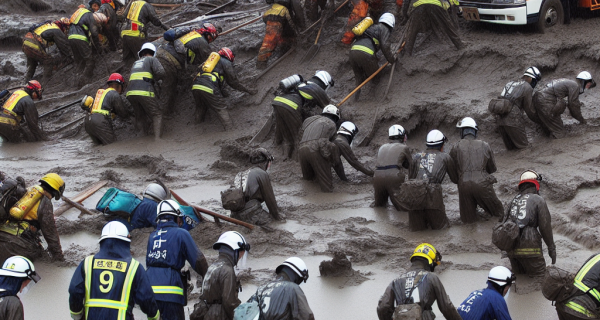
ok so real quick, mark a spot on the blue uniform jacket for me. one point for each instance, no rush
(107, 283)
(168, 248)
(144, 215)
(485, 304)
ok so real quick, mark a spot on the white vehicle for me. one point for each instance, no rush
(542, 13)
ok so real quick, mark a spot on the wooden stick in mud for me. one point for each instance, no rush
(240, 26)
(216, 215)
(183, 202)
(275, 63)
(316, 22)
(77, 205)
(81, 197)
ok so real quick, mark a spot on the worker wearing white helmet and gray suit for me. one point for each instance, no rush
(432, 166)
(549, 102)
(343, 140)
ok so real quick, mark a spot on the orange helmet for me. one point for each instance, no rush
(227, 53)
(36, 87)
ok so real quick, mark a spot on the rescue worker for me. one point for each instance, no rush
(37, 43)
(138, 15)
(103, 108)
(389, 175)
(432, 166)
(256, 186)
(141, 92)
(144, 215)
(363, 54)
(280, 30)
(360, 11)
(31, 214)
(196, 49)
(208, 89)
(549, 102)
(286, 300)
(489, 303)
(290, 106)
(169, 247)
(102, 25)
(83, 37)
(111, 30)
(343, 140)
(584, 304)
(418, 285)
(518, 94)
(316, 151)
(20, 108)
(429, 15)
(530, 212)
(474, 161)
(220, 286)
(108, 284)
(15, 277)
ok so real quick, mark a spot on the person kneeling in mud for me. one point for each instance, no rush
(256, 188)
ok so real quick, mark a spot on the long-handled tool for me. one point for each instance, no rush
(183, 202)
(81, 197)
(264, 131)
(77, 205)
(59, 108)
(240, 26)
(275, 63)
(220, 7)
(313, 50)
(214, 16)
(66, 125)
(220, 216)
(316, 22)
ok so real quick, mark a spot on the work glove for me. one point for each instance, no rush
(552, 254)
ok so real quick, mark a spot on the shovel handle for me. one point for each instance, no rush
(318, 35)
(316, 22)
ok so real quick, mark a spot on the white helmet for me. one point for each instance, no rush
(435, 137)
(297, 265)
(155, 192)
(533, 73)
(388, 19)
(396, 130)
(148, 46)
(501, 276)
(234, 240)
(115, 230)
(333, 110)
(531, 176)
(467, 122)
(19, 267)
(168, 207)
(585, 77)
(348, 128)
(325, 77)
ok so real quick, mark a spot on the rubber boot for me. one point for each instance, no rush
(157, 122)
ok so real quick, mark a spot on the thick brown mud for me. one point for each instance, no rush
(431, 90)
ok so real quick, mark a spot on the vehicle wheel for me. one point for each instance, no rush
(551, 14)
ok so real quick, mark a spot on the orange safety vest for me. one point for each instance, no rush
(10, 104)
(97, 106)
(78, 14)
(38, 32)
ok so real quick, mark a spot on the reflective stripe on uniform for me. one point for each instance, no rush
(527, 251)
(577, 307)
(140, 93)
(121, 305)
(133, 15)
(420, 2)
(581, 274)
(10, 104)
(362, 48)
(99, 100)
(167, 290)
(78, 14)
(45, 27)
(305, 95)
(9, 121)
(140, 76)
(189, 37)
(134, 10)
(213, 78)
(203, 88)
(31, 45)
(132, 33)
(287, 102)
(79, 37)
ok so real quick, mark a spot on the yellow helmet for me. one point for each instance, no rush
(55, 182)
(428, 252)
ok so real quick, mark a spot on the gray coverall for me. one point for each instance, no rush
(11, 308)
(141, 93)
(257, 188)
(389, 176)
(317, 152)
(286, 300)
(474, 161)
(512, 124)
(82, 49)
(341, 141)
(99, 126)
(549, 104)
(430, 290)
(431, 165)
(530, 212)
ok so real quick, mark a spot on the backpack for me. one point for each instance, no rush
(409, 310)
(412, 194)
(500, 106)
(247, 311)
(558, 285)
(233, 198)
(11, 191)
(37, 25)
(117, 202)
(505, 234)
(176, 33)
(190, 218)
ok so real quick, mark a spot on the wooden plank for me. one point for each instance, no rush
(79, 198)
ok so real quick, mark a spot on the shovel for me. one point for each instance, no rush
(313, 50)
